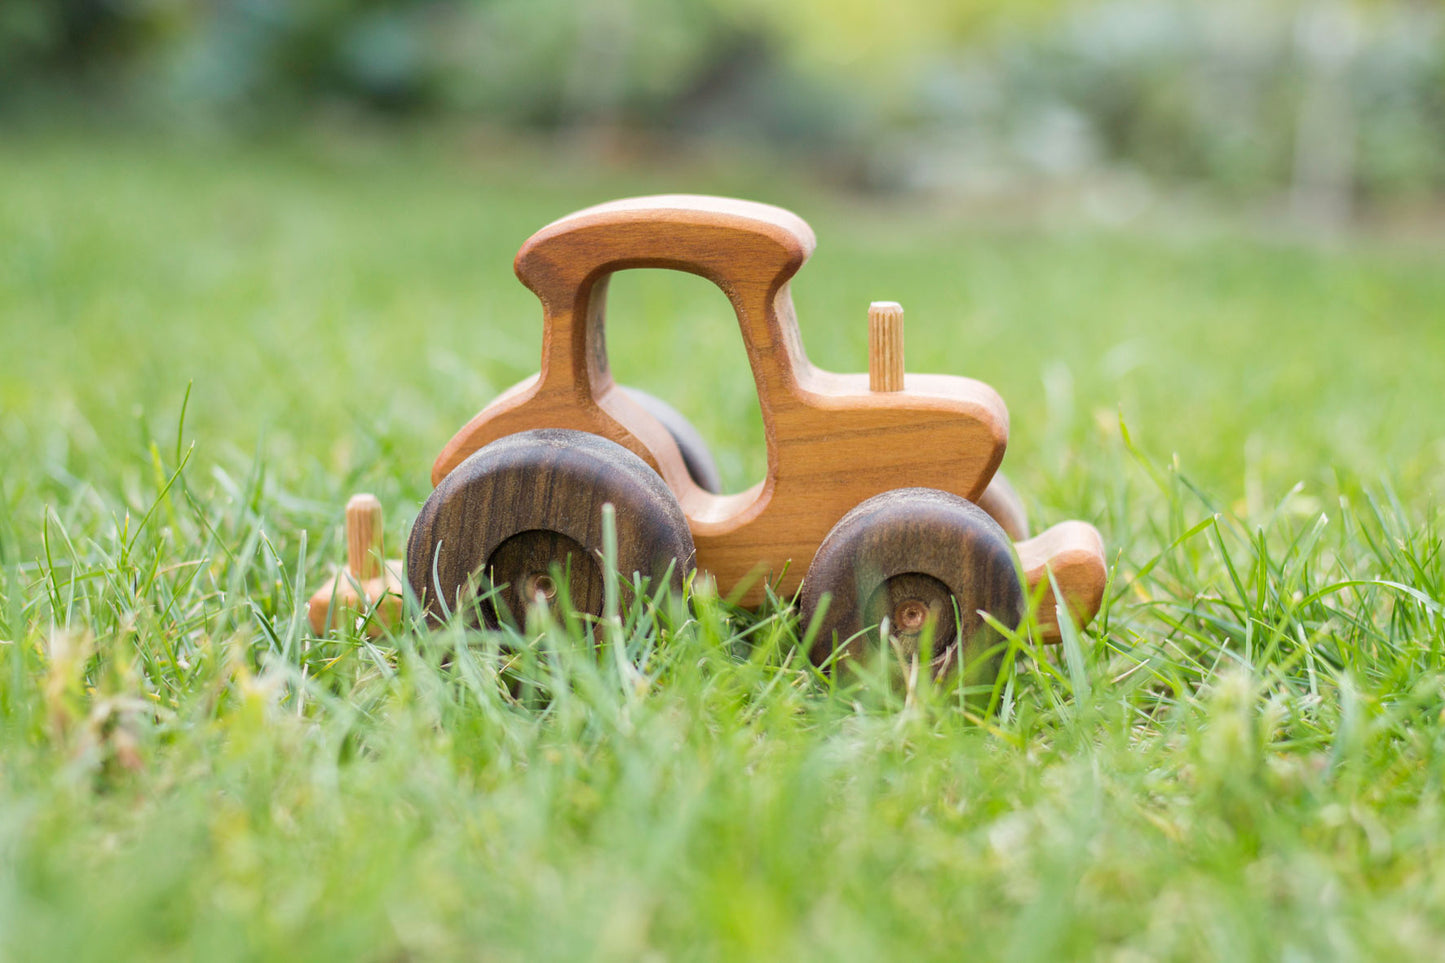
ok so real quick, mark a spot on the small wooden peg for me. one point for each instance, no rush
(885, 346)
(363, 536)
(367, 583)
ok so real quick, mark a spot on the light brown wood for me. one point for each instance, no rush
(832, 442)
(363, 536)
(1074, 551)
(366, 584)
(885, 346)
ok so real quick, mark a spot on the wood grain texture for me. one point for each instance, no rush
(885, 346)
(525, 514)
(911, 555)
(832, 442)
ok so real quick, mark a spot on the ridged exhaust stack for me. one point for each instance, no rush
(885, 346)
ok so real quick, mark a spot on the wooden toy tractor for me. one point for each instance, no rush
(881, 495)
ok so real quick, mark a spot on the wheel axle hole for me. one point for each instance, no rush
(540, 566)
(909, 603)
(910, 615)
(539, 586)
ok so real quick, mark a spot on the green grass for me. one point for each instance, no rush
(1243, 758)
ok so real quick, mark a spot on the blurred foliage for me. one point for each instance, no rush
(1325, 97)
(1238, 96)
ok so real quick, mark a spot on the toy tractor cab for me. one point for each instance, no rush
(881, 490)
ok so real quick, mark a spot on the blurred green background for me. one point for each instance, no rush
(1329, 107)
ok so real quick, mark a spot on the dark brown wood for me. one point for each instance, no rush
(546, 566)
(914, 556)
(526, 511)
(1003, 504)
(832, 442)
(909, 602)
(695, 453)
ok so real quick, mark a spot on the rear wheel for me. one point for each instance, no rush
(523, 515)
(695, 453)
(915, 557)
(1002, 503)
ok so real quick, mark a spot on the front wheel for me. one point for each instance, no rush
(915, 557)
(527, 509)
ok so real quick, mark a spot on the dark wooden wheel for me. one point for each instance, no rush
(526, 511)
(914, 556)
(695, 453)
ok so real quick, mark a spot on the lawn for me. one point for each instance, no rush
(208, 345)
